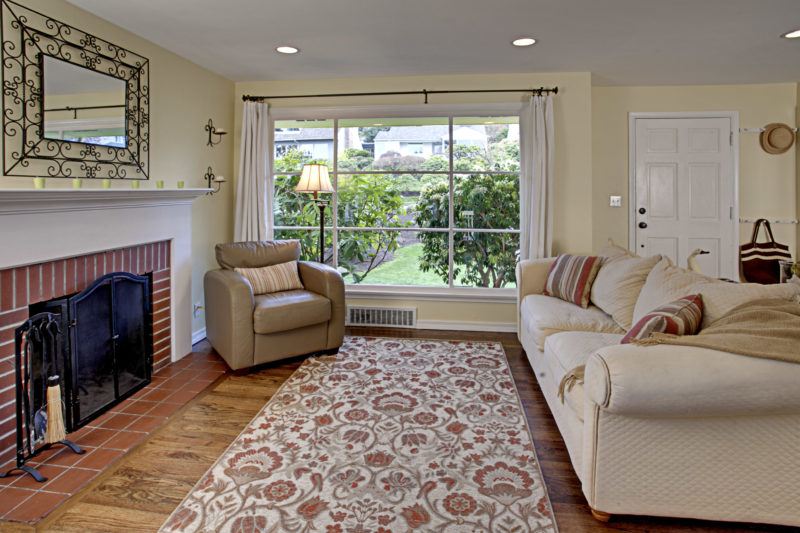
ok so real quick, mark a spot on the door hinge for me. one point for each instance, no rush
(730, 212)
(730, 138)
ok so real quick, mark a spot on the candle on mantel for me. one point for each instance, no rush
(219, 179)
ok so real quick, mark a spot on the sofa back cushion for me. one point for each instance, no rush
(618, 284)
(681, 317)
(571, 277)
(252, 254)
(667, 283)
(719, 298)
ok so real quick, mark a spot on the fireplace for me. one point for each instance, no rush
(65, 239)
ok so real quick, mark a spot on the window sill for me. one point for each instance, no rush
(436, 294)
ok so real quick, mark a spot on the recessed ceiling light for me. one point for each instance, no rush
(287, 50)
(792, 34)
(523, 41)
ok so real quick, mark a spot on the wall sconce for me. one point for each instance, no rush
(212, 130)
(211, 178)
(314, 178)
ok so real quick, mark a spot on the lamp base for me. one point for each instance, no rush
(322, 204)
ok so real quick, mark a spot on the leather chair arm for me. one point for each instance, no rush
(229, 316)
(328, 282)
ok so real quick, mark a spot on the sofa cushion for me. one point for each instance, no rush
(666, 283)
(282, 311)
(571, 277)
(613, 250)
(569, 349)
(546, 315)
(719, 298)
(272, 278)
(253, 254)
(618, 284)
(681, 317)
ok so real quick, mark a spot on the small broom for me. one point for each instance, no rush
(55, 418)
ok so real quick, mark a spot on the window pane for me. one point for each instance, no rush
(298, 142)
(394, 144)
(309, 243)
(485, 259)
(392, 257)
(486, 144)
(293, 208)
(389, 200)
(486, 201)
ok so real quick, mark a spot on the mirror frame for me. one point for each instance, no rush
(28, 36)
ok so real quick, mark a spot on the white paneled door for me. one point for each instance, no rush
(684, 191)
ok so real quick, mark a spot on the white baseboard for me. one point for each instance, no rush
(498, 327)
(198, 335)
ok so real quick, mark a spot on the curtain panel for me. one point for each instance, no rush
(536, 178)
(254, 189)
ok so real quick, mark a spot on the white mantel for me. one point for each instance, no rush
(38, 225)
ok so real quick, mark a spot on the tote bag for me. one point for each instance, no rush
(760, 261)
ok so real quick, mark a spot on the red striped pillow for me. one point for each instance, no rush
(273, 278)
(681, 317)
(571, 277)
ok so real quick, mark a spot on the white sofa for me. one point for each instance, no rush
(666, 430)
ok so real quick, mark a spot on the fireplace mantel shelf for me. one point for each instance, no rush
(27, 201)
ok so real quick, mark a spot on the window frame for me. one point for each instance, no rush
(408, 292)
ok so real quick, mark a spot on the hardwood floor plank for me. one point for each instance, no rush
(140, 491)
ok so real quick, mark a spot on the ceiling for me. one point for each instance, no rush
(621, 42)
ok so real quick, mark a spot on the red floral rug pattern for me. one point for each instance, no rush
(389, 435)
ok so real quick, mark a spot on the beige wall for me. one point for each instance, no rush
(767, 183)
(183, 97)
(572, 115)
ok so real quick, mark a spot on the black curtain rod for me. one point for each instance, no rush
(539, 91)
(79, 108)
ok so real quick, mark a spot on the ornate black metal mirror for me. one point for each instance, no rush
(74, 105)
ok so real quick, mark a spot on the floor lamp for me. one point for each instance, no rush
(314, 178)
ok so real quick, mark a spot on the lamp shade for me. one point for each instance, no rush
(314, 179)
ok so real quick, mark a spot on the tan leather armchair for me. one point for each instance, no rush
(247, 329)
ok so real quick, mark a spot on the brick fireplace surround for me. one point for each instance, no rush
(23, 286)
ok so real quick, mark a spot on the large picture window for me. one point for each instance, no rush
(426, 202)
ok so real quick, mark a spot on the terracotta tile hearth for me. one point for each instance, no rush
(105, 439)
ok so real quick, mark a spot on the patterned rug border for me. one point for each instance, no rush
(308, 361)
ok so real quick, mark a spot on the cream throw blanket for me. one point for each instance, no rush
(768, 328)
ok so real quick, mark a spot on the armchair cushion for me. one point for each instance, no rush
(283, 311)
(272, 278)
(252, 254)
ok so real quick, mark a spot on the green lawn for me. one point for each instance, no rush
(403, 270)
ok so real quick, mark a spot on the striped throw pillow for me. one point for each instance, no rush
(681, 317)
(273, 278)
(571, 277)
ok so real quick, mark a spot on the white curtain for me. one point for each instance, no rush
(536, 178)
(255, 183)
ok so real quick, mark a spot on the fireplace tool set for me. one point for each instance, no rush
(40, 407)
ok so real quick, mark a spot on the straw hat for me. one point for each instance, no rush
(776, 138)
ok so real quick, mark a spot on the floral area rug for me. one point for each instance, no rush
(389, 435)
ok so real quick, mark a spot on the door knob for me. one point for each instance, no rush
(642, 210)
(642, 225)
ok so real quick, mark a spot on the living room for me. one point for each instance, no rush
(591, 161)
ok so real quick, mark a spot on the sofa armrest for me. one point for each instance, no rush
(687, 381)
(531, 276)
(328, 282)
(229, 316)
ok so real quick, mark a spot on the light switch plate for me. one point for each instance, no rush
(615, 201)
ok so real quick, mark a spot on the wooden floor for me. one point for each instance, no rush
(139, 491)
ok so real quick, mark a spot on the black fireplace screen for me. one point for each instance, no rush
(109, 353)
